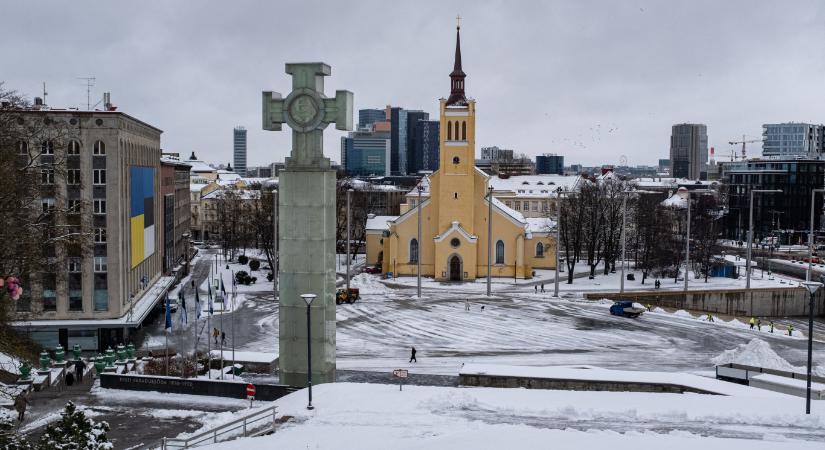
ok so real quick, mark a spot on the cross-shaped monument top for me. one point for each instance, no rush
(307, 111)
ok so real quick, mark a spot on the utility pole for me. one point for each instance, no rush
(624, 241)
(418, 249)
(489, 237)
(349, 196)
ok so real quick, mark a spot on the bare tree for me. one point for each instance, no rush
(592, 223)
(706, 230)
(571, 233)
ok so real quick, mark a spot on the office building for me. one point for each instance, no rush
(366, 153)
(793, 139)
(664, 166)
(368, 117)
(174, 189)
(550, 163)
(414, 119)
(240, 150)
(111, 191)
(424, 148)
(496, 154)
(689, 151)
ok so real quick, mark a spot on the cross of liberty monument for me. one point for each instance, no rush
(306, 220)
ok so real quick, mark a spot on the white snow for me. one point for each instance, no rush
(758, 353)
(375, 416)
(792, 382)
(9, 363)
(253, 357)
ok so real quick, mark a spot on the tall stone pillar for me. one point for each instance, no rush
(306, 222)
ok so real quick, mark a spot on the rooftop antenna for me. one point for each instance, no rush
(90, 81)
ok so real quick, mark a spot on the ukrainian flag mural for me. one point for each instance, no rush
(142, 212)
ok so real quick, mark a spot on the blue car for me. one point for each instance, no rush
(625, 308)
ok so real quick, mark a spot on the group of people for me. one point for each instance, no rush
(216, 334)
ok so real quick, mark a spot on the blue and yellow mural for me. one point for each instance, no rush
(142, 212)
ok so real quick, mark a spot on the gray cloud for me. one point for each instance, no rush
(548, 76)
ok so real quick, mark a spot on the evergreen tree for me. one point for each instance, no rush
(75, 431)
(9, 437)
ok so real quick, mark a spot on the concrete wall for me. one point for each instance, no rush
(192, 386)
(769, 302)
(572, 385)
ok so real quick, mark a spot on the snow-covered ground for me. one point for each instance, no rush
(226, 270)
(376, 416)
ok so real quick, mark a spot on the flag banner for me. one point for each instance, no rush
(168, 315)
(197, 305)
(211, 310)
(184, 319)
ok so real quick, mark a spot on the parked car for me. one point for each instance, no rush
(373, 269)
(626, 308)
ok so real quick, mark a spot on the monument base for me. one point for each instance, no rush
(306, 220)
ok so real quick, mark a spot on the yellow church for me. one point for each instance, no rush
(454, 212)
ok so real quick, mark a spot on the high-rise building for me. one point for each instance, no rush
(414, 119)
(240, 151)
(496, 154)
(664, 165)
(689, 151)
(366, 153)
(793, 139)
(111, 192)
(367, 117)
(398, 141)
(424, 150)
(550, 163)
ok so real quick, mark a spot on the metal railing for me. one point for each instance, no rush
(255, 424)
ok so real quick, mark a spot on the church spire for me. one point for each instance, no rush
(457, 76)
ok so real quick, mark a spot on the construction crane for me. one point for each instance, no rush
(743, 142)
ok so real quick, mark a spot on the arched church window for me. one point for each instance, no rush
(449, 131)
(499, 252)
(463, 131)
(414, 250)
(539, 250)
(455, 195)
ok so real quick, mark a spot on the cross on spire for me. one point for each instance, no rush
(458, 22)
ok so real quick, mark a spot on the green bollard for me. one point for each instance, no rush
(130, 351)
(45, 361)
(121, 353)
(76, 351)
(25, 370)
(59, 355)
(100, 363)
(110, 357)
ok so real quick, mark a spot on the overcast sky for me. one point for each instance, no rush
(591, 80)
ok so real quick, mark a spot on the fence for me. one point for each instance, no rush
(255, 424)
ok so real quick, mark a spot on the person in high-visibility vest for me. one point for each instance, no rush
(771, 325)
(752, 322)
(790, 330)
(710, 317)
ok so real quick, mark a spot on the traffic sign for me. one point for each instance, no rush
(250, 390)
(400, 373)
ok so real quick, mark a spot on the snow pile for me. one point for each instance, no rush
(683, 313)
(368, 284)
(658, 310)
(757, 353)
(9, 363)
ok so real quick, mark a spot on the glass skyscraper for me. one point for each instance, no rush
(239, 159)
(792, 139)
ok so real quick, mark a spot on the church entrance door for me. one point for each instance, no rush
(455, 268)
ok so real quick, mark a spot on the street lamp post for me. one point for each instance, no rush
(559, 192)
(812, 287)
(624, 240)
(418, 248)
(750, 232)
(308, 298)
(489, 237)
(349, 195)
(811, 236)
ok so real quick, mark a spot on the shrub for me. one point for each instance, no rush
(243, 259)
(270, 276)
(254, 279)
(254, 264)
(241, 277)
(75, 431)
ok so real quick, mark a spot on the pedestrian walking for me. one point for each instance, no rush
(223, 338)
(790, 330)
(215, 334)
(412, 355)
(542, 287)
(759, 324)
(536, 288)
(648, 307)
(20, 404)
(482, 308)
(752, 322)
(79, 367)
(771, 325)
(466, 304)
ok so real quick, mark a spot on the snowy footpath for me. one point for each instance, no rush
(376, 416)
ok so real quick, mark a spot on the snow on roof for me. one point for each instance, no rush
(510, 212)
(540, 224)
(379, 222)
(675, 201)
(534, 185)
(197, 187)
(199, 166)
(228, 175)
(243, 194)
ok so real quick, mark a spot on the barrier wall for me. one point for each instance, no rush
(192, 386)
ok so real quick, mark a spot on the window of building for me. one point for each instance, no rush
(455, 242)
(99, 176)
(508, 203)
(99, 148)
(455, 195)
(74, 264)
(47, 176)
(535, 206)
(449, 131)
(74, 207)
(101, 295)
(456, 160)
(22, 148)
(539, 250)
(499, 252)
(99, 206)
(100, 264)
(75, 292)
(517, 206)
(463, 131)
(74, 148)
(100, 235)
(73, 176)
(47, 204)
(49, 292)
(47, 147)
(414, 250)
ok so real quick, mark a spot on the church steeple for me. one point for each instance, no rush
(457, 97)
